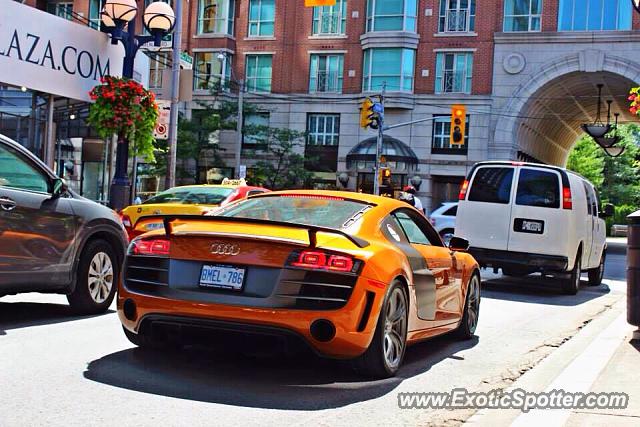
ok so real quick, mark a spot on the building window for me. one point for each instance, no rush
(255, 130)
(262, 16)
(440, 141)
(330, 20)
(258, 73)
(326, 73)
(157, 64)
(392, 15)
(216, 16)
(594, 15)
(323, 129)
(522, 15)
(95, 7)
(61, 9)
(211, 70)
(393, 66)
(457, 16)
(453, 72)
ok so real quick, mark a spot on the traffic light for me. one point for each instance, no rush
(368, 114)
(458, 123)
(385, 177)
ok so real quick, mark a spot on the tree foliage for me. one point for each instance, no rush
(616, 178)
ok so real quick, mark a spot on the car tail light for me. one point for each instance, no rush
(155, 247)
(567, 202)
(126, 221)
(463, 190)
(320, 260)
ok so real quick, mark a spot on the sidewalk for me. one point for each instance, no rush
(601, 358)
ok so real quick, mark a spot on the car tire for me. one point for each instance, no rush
(96, 280)
(467, 328)
(596, 275)
(384, 356)
(571, 285)
(446, 235)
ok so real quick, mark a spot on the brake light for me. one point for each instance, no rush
(156, 247)
(318, 260)
(567, 202)
(126, 221)
(463, 190)
(517, 163)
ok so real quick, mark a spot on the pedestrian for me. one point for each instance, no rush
(410, 190)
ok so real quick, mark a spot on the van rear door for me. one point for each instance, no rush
(484, 216)
(537, 216)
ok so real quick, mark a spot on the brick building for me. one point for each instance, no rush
(525, 69)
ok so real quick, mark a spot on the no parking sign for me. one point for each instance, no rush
(161, 130)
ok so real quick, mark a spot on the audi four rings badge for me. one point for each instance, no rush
(218, 248)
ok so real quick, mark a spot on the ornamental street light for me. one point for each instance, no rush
(159, 21)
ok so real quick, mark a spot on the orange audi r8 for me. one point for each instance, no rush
(355, 276)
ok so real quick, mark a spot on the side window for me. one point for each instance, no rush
(412, 230)
(254, 192)
(17, 172)
(538, 188)
(393, 231)
(589, 196)
(453, 211)
(492, 185)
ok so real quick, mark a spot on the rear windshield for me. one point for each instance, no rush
(192, 195)
(453, 211)
(492, 185)
(307, 210)
(538, 188)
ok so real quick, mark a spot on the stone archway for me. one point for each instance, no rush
(542, 118)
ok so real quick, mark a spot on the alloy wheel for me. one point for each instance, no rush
(395, 328)
(473, 304)
(100, 278)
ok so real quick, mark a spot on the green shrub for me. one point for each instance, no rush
(620, 216)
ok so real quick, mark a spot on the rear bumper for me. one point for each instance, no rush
(534, 262)
(354, 323)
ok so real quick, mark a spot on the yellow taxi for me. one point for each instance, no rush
(183, 200)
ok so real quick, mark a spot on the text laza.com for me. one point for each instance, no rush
(523, 400)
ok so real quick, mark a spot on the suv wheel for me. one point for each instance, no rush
(596, 275)
(571, 285)
(96, 279)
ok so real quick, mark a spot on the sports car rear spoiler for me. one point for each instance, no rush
(312, 229)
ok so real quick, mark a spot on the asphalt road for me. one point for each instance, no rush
(57, 369)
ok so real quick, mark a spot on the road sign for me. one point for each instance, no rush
(186, 61)
(161, 130)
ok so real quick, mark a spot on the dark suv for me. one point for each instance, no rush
(53, 240)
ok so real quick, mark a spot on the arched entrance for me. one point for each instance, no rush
(398, 156)
(541, 122)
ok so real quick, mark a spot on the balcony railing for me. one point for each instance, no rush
(453, 81)
(457, 21)
(330, 23)
(327, 81)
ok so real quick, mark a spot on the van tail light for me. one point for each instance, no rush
(567, 202)
(463, 190)
(320, 260)
(154, 247)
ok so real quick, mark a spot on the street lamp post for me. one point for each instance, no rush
(159, 20)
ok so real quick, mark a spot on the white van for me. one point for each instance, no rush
(526, 218)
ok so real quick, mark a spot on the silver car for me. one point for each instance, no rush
(53, 240)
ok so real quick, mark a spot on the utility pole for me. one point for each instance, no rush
(376, 172)
(239, 126)
(170, 179)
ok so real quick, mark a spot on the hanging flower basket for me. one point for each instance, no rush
(634, 95)
(125, 108)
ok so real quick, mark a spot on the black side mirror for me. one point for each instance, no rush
(607, 211)
(58, 186)
(459, 244)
